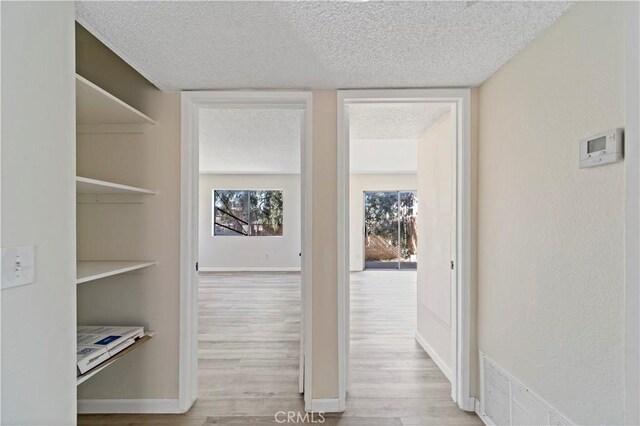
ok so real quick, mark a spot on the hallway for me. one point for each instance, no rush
(390, 374)
(249, 333)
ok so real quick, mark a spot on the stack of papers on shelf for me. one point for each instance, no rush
(98, 343)
(90, 356)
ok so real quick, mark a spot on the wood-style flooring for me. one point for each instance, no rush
(249, 332)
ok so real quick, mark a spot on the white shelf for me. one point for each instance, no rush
(98, 111)
(89, 271)
(95, 370)
(93, 186)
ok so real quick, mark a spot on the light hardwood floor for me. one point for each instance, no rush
(390, 374)
(249, 347)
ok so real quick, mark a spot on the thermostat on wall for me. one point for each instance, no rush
(601, 149)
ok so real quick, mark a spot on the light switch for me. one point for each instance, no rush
(18, 266)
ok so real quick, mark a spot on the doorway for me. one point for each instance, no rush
(390, 229)
(239, 212)
(459, 256)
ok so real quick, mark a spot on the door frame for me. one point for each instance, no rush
(461, 97)
(192, 102)
(632, 217)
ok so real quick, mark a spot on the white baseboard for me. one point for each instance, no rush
(249, 269)
(129, 406)
(329, 405)
(435, 357)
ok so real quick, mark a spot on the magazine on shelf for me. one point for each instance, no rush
(113, 339)
(90, 356)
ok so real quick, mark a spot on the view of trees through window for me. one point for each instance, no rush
(247, 213)
(390, 219)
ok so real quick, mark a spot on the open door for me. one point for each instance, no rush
(437, 240)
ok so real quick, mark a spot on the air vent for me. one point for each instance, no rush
(496, 396)
(506, 401)
(554, 421)
(525, 409)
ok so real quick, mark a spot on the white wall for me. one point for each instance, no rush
(251, 253)
(435, 224)
(358, 183)
(550, 235)
(38, 204)
(378, 156)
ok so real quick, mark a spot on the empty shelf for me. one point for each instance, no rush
(94, 186)
(98, 368)
(95, 105)
(89, 271)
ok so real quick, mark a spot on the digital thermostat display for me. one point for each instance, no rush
(600, 149)
(597, 144)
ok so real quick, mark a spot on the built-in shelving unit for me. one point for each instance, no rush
(98, 368)
(90, 271)
(93, 186)
(98, 111)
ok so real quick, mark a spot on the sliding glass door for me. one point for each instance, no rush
(408, 229)
(390, 231)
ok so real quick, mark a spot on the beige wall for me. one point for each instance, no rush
(436, 220)
(132, 231)
(325, 243)
(358, 183)
(550, 235)
(251, 253)
(38, 202)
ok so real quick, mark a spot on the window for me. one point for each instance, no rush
(247, 213)
(390, 229)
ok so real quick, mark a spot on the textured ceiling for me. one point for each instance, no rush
(250, 141)
(394, 121)
(383, 138)
(266, 44)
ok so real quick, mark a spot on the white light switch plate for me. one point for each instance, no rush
(18, 266)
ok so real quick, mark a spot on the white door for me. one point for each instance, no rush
(436, 243)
